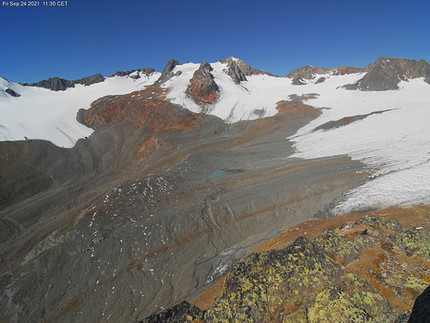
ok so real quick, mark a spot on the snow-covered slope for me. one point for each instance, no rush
(44, 114)
(395, 142)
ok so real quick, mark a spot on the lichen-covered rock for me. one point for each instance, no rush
(381, 221)
(351, 300)
(366, 270)
(413, 242)
(299, 283)
(337, 247)
(269, 286)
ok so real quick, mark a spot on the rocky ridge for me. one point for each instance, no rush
(386, 73)
(135, 74)
(301, 75)
(60, 84)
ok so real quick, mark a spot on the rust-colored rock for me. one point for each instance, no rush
(141, 108)
(203, 88)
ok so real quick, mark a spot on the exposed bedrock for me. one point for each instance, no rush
(308, 72)
(203, 88)
(136, 218)
(168, 71)
(238, 70)
(386, 73)
(60, 84)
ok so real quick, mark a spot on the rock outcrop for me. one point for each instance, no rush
(60, 84)
(308, 72)
(367, 269)
(135, 73)
(167, 73)
(203, 88)
(11, 93)
(238, 70)
(386, 74)
(142, 108)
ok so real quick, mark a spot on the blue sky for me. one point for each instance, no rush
(104, 36)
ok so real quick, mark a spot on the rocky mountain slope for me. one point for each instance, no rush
(386, 74)
(155, 184)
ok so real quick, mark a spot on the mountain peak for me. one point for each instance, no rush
(239, 70)
(386, 73)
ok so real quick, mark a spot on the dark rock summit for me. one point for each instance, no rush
(386, 73)
(238, 70)
(203, 88)
(60, 84)
(167, 73)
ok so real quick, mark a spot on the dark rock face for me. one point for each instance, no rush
(203, 88)
(184, 311)
(147, 71)
(238, 70)
(386, 73)
(12, 92)
(60, 84)
(96, 78)
(168, 71)
(54, 84)
(421, 310)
